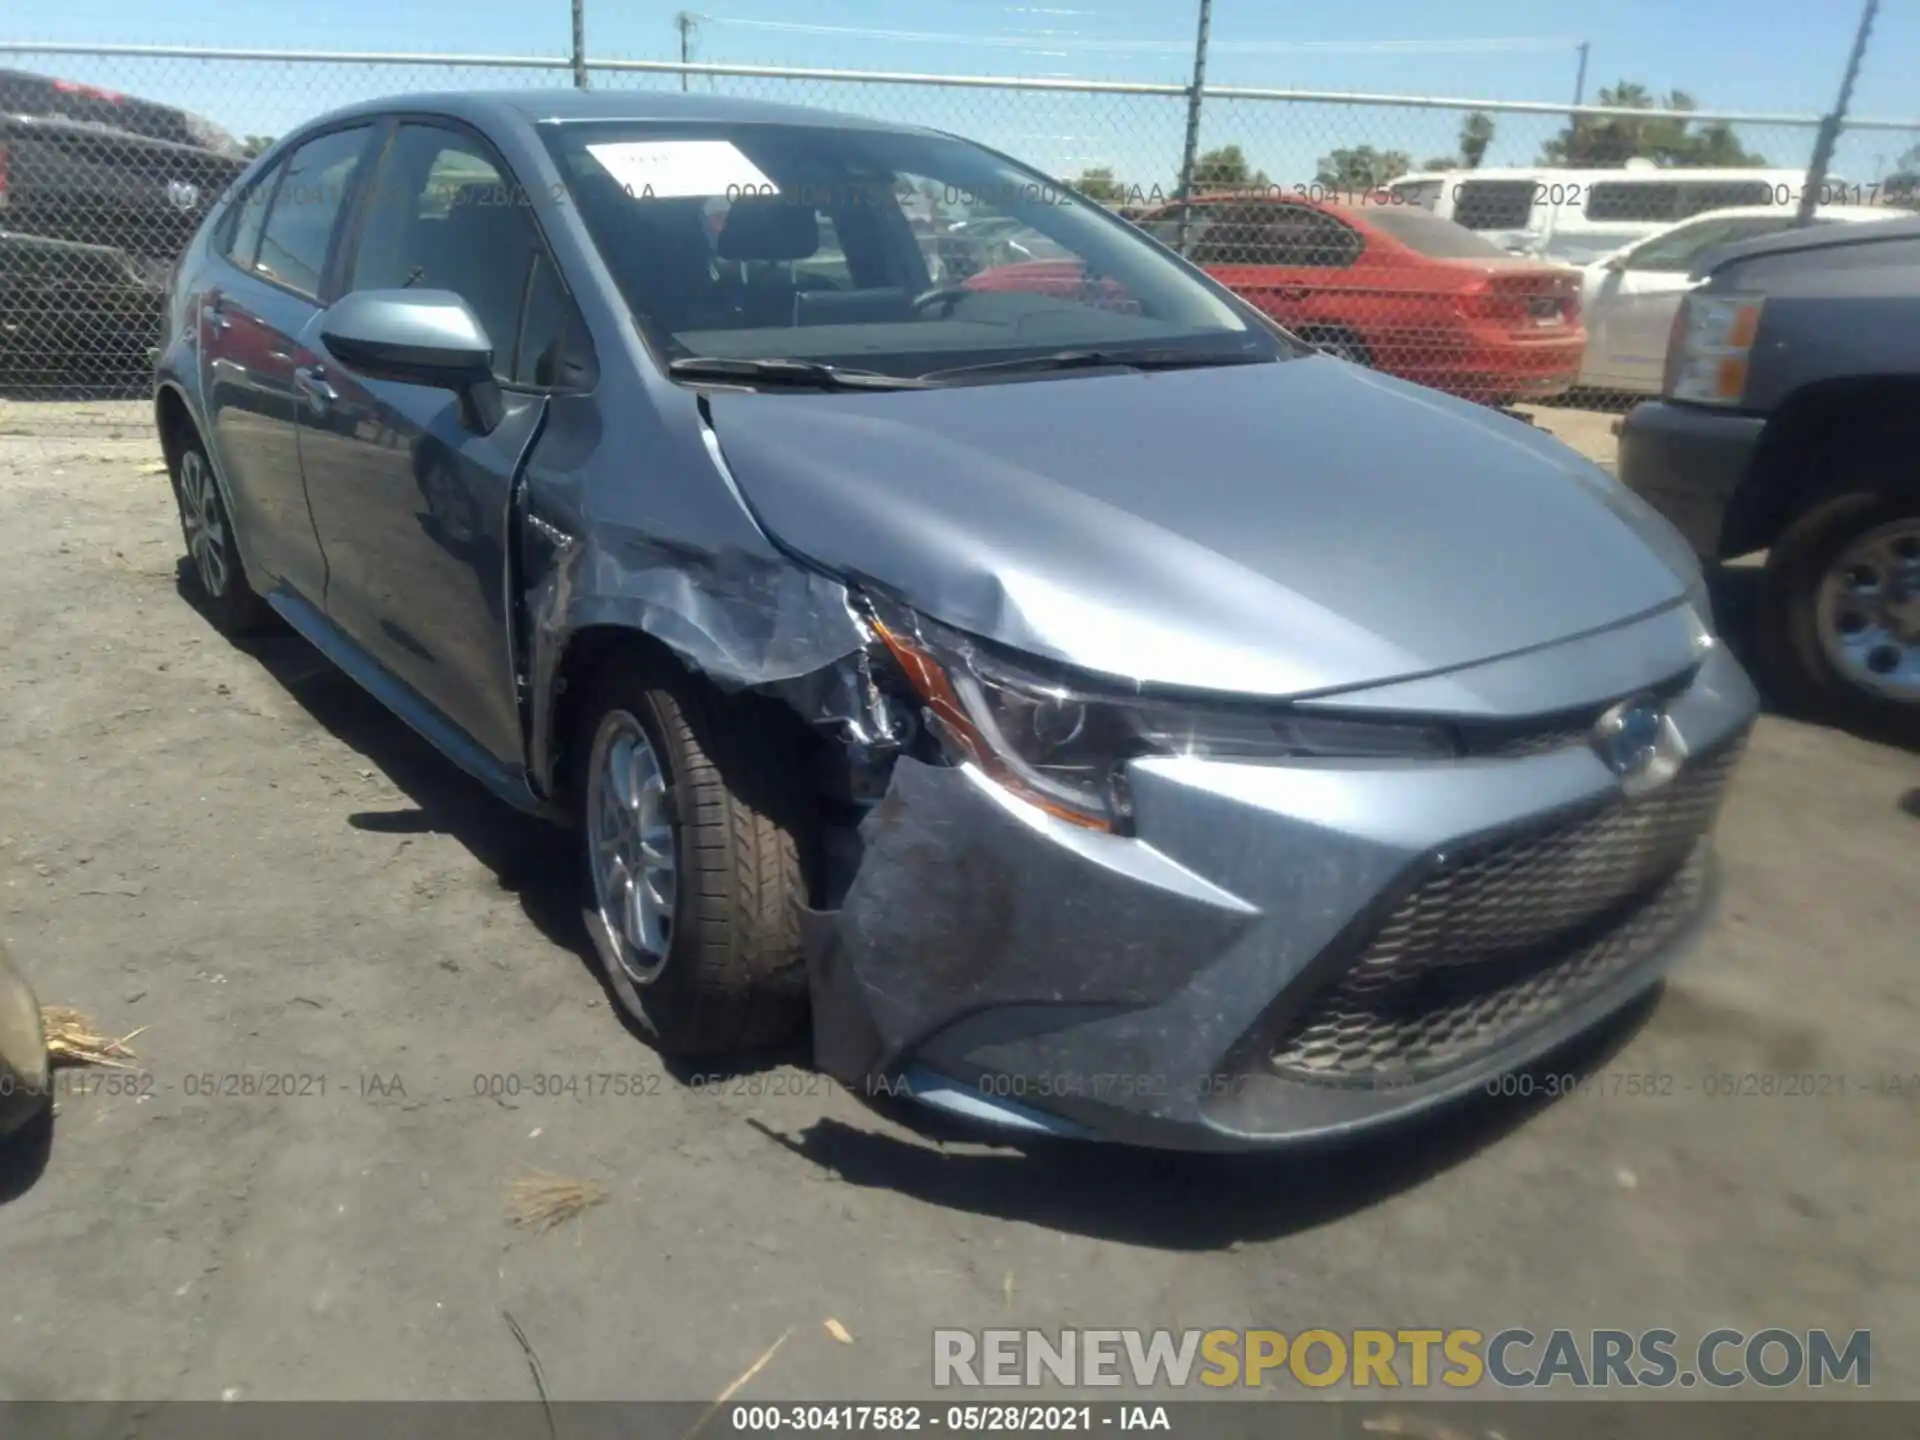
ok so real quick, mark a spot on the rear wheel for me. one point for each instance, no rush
(1840, 611)
(693, 819)
(211, 549)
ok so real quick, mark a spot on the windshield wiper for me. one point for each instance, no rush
(812, 374)
(1098, 360)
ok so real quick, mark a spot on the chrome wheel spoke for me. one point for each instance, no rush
(1867, 611)
(631, 846)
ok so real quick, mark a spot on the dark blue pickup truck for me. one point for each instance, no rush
(1789, 421)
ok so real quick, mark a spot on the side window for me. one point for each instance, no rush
(242, 228)
(300, 219)
(1228, 235)
(551, 332)
(1678, 251)
(444, 216)
(1314, 240)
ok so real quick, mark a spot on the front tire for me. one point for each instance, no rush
(1840, 612)
(213, 554)
(693, 820)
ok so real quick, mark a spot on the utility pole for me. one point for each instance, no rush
(685, 22)
(579, 44)
(1191, 151)
(1580, 75)
(1830, 127)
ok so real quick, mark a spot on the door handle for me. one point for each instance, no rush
(1291, 292)
(312, 382)
(214, 316)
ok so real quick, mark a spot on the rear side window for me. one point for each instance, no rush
(242, 228)
(444, 214)
(1644, 200)
(1268, 233)
(305, 205)
(1494, 204)
(1430, 235)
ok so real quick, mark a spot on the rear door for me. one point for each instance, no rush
(411, 503)
(263, 294)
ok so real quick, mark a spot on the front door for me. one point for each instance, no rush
(411, 503)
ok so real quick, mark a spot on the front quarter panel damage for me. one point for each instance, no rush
(662, 547)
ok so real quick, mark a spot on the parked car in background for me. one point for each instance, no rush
(1578, 216)
(1789, 421)
(1065, 700)
(99, 193)
(1628, 298)
(1393, 287)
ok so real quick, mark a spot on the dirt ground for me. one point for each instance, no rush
(336, 951)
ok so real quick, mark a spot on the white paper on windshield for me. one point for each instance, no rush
(665, 169)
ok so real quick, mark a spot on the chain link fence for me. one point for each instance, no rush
(1429, 238)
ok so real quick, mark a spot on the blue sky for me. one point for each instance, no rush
(1753, 55)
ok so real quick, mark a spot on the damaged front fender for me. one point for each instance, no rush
(660, 554)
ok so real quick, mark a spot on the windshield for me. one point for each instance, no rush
(894, 252)
(1430, 235)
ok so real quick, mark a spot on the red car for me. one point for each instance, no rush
(1395, 287)
(1390, 286)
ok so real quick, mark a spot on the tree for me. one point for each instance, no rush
(1360, 167)
(1226, 169)
(1098, 184)
(1476, 134)
(1604, 141)
(256, 145)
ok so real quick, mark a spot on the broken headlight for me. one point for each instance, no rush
(1063, 745)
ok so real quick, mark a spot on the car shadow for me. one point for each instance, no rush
(529, 858)
(24, 1155)
(535, 862)
(1178, 1200)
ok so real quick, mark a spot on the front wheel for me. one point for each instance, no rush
(1840, 611)
(693, 818)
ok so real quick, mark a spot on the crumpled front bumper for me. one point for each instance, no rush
(1002, 964)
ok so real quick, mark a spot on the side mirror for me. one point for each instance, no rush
(1615, 263)
(417, 337)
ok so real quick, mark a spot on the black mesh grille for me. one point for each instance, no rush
(1507, 934)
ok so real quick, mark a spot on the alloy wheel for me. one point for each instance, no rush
(205, 524)
(630, 839)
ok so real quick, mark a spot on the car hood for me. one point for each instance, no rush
(1276, 530)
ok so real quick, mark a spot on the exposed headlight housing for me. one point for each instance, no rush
(1710, 346)
(1064, 745)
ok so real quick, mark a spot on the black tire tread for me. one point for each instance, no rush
(736, 980)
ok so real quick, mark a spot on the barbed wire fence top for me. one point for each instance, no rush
(1291, 191)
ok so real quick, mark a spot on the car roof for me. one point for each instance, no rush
(1831, 212)
(572, 106)
(1820, 237)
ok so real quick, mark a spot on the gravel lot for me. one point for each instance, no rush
(243, 857)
